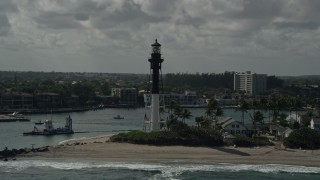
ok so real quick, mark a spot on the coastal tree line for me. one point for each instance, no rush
(88, 86)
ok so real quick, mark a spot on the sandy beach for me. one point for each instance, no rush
(101, 149)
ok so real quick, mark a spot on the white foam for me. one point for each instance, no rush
(70, 140)
(167, 170)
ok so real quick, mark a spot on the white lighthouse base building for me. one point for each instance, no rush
(155, 112)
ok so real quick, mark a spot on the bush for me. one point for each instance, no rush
(188, 137)
(304, 137)
(243, 141)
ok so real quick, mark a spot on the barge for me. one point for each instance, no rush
(50, 130)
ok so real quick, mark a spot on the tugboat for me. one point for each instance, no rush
(49, 130)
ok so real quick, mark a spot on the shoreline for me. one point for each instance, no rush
(101, 149)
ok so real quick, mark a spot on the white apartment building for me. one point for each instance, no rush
(251, 84)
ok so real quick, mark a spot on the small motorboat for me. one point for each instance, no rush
(39, 122)
(118, 117)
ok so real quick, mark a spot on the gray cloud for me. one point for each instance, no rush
(7, 6)
(4, 25)
(197, 36)
(297, 25)
(58, 20)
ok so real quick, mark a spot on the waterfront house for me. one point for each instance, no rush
(297, 116)
(231, 126)
(279, 131)
(315, 123)
(287, 132)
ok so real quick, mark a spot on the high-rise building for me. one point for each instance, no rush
(251, 84)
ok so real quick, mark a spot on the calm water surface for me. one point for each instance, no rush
(95, 123)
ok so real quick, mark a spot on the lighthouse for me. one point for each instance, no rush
(155, 68)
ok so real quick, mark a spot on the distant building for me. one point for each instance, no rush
(223, 101)
(48, 100)
(251, 84)
(127, 96)
(188, 99)
(16, 100)
(315, 123)
(71, 101)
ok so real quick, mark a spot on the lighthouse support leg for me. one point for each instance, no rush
(155, 116)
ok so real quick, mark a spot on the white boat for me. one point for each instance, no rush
(118, 117)
(16, 115)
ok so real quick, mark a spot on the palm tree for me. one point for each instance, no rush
(243, 107)
(297, 105)
(199, 120)
(256, 118)
(186, 114)
(211, 113)
(212, 106)
(219, 112)
(172, 106)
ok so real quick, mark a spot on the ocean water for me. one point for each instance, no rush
(114, 170)
(101, 122)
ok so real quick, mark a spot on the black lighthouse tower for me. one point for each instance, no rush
(155, 67)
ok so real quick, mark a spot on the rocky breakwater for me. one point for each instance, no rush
(10, 154)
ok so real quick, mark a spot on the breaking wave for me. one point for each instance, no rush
(165, 169)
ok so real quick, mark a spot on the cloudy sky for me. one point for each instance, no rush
(276, 37)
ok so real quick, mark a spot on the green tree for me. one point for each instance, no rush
(186, 114)
(198, 120)
(243, 108)
(256, 118)
(105, 89)
(219, 112)
(211, 109)
(304, 138)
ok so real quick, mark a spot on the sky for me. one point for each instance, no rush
(274, 37)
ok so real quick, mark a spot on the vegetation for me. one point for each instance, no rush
(87, 86)
(244, 141)
(303, 138)
(177, 132)
(188, 137)
(243, 107)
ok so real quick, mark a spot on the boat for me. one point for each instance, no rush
(16, 115)
(50, 130)
(39, 122)
(118, 117)
(13, 117)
